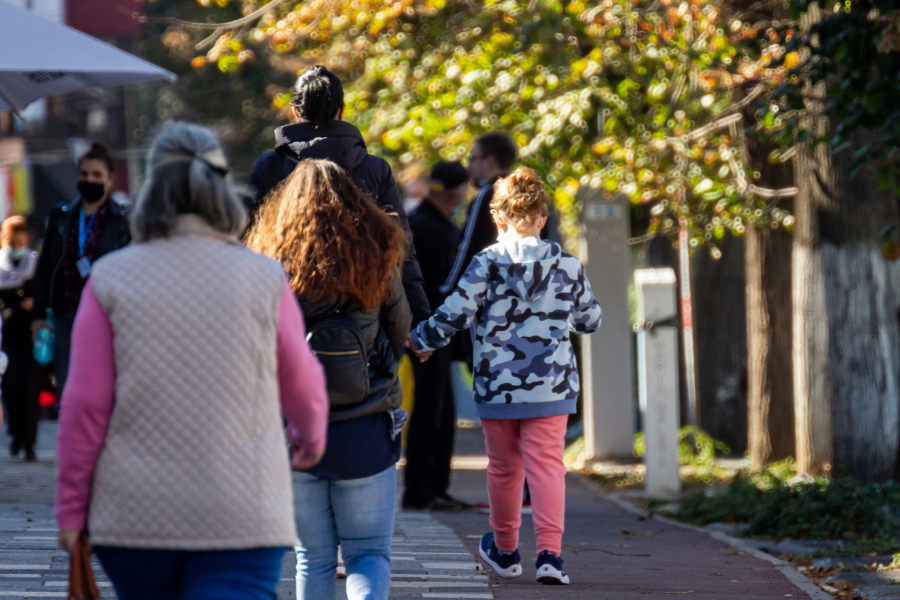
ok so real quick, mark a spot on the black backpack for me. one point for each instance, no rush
(337, 342)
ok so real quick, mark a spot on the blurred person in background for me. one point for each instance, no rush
(429, 444)
(18, 264)
(321, 133)
(79, 232)
(343, 257)
(492, 157)
(187, 350)
(414, 192)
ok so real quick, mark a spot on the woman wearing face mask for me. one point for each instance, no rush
(18, 264)
(79, 232)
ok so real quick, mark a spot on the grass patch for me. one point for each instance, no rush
(776, 504)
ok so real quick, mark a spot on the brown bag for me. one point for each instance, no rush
(82, 585)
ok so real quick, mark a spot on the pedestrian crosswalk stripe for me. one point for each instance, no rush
(430, 576)
(24, 594)
(65, 583)
(467, 566)
(438, 584)
(431, 554)
(24, 567)
(452, 596)
(20, 575)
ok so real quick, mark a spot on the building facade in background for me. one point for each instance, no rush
(38, 152)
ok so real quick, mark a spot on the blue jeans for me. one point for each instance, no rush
(139, 574)
(358, 514)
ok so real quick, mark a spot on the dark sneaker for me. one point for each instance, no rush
(15, 446)
(30, 456)
(550, 569)
(504, 564)
(462, 505)
(442, 504)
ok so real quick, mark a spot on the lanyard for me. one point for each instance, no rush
(84, 230)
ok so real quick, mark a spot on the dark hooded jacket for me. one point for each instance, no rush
(342, 144)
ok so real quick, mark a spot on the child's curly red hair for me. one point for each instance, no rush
(520, 198)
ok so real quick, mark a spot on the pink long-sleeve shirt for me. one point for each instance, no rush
(89, 399)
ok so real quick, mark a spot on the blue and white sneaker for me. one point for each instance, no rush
(504, 564)
(550, 569)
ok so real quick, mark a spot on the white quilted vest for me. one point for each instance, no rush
(195, 456)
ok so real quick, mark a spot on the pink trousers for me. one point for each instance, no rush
(532, 448)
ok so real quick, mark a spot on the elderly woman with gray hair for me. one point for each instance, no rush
(187, 350)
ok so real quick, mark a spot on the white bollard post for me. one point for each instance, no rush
(657, 330)
(607, 355)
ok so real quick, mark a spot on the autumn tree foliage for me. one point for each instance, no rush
(637, 98)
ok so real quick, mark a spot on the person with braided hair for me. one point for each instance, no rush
(321, 133)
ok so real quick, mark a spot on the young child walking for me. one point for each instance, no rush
(524, 296)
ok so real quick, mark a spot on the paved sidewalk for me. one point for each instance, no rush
(610, 553)
(613, 554)
(429, 560)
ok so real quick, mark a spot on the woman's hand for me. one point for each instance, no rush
(27, 304)
(303, 460)
(68, 538)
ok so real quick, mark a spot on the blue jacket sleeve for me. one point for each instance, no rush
(457, 312)
(587, 314)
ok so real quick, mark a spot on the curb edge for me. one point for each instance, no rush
(794, 576)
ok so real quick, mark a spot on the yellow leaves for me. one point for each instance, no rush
(603, 147)
(228, 63)
(791, 60)
(565, 194)
(501, 40)
(657, 90)
(281, 101)
(392, 141)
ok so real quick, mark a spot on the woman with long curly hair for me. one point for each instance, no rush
(343, 255)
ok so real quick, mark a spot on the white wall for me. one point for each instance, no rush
(55, 10)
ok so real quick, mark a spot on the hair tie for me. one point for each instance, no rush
(223, 171)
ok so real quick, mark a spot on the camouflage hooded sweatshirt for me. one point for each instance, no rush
(524, 297)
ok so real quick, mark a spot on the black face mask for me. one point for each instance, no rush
(91, 192)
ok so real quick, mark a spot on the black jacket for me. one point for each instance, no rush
(436, 239)
(47, 284)
(479, 233)
(343, 144)
(384, 329)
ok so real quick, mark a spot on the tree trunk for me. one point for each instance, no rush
(770, 405)
(721, 334)
(846, 334)
(862, 297)
(770, 393)
(812, 376)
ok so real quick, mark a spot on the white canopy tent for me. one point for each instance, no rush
(40, 58)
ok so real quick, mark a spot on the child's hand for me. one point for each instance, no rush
(423, 356)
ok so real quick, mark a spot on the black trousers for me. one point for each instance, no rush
(429, 444)
(62, 348)
(20, 390)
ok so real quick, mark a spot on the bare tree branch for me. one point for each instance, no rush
(219, 28)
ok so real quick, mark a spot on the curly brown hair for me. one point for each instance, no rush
(332, 239)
